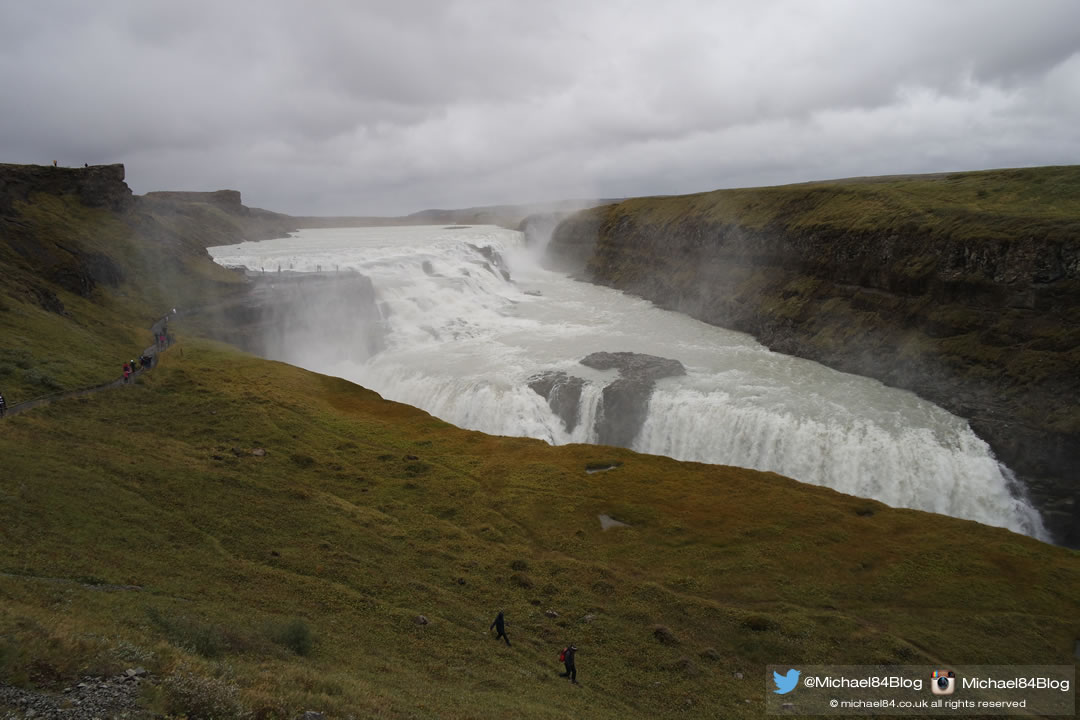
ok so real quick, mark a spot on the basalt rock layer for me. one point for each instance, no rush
(100, 186)
(964, 288)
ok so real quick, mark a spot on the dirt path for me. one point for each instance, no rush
(159, 327)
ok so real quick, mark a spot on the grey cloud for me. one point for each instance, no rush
(385, 107)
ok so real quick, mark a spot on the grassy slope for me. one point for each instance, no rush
(44, 352)
(205, 224)
(991, 204)
(339, 526)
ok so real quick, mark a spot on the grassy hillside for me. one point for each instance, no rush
(82, 287)
(217, 218)
(991, 204)
(364, 514)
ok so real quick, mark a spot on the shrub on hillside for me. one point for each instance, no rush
(664, 635)
(296, 636)
(35, 376)
(193, 635)
(192, 695)
(521, 580)
(304, 461)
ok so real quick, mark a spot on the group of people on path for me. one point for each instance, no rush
(130, 367)
(566, 656)
(163, 339)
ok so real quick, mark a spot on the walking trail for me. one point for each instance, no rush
(160, 327)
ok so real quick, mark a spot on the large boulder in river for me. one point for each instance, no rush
(563, 394)
(626, 400)
(635, 365)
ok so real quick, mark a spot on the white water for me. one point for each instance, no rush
(463, 343)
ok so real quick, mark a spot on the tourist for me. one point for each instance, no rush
(568, 660)
(500, 627)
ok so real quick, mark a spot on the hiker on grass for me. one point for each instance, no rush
(500, 627)
(3, 412)
(568, 660)
(127, 372)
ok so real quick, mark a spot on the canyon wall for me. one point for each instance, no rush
(963, 288)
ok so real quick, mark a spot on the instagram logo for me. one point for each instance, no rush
(942, 682)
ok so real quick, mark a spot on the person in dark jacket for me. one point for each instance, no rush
(500, 627)
(571, 668)
(3, 406)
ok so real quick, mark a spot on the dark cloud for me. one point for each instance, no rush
(388, 107)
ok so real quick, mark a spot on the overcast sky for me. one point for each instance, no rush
(371, 107)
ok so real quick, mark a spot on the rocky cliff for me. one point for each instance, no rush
(963, 288)
(98, 186)
(215, 218)
(227, 199)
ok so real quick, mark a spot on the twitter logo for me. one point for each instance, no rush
(785, 683)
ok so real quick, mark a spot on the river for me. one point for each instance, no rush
(463, 341)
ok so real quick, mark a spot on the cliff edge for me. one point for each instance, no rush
(964, 288)
(100, 186)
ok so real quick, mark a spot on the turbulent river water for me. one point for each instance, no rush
(463, 341)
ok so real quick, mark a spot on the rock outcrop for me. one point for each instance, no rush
(563, 395)
(929, 284)
(39, 265)
(494, 261)
(215, 218)
(98, 186)
(626, 400)
(228, 199)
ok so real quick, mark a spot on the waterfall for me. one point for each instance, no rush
(470, 319)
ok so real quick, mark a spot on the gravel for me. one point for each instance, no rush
(89, 699)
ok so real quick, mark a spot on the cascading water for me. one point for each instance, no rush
(464, 339)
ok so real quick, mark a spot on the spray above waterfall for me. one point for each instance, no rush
(474, 331)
